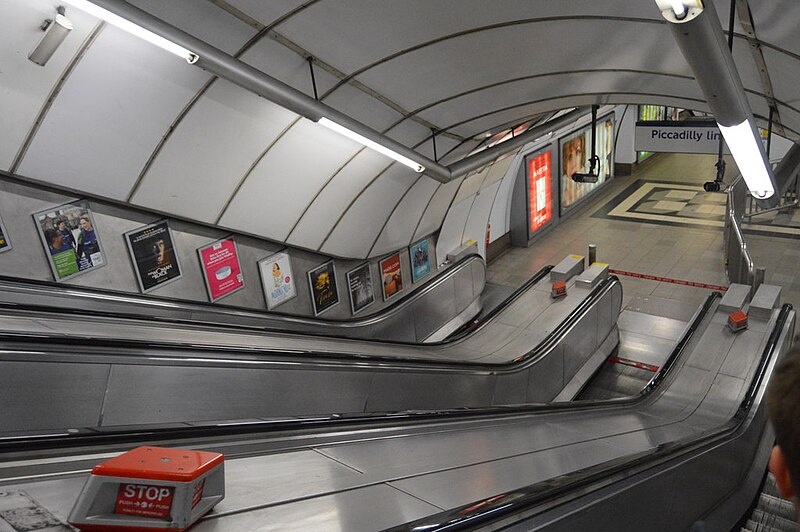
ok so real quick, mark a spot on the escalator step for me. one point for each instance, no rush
(774, 522)
(770, 488)
(776, 506)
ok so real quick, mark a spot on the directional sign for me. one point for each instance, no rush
(678, 137)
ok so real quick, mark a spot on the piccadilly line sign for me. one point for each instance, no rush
(678, 137)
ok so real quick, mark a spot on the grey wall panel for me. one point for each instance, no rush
(46, 395)
(361, 224)
(390, 392)
(110, 115)
(410, 133)
(336, 197)
(211, 151)
(400, 228)
(25, 86)
(472, 183)
(286, 180)
(435, 212)
(203, 394)
(366, 109)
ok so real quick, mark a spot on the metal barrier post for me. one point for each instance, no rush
(758, 278)
(592, 254)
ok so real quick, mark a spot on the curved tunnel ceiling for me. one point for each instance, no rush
(113, 116)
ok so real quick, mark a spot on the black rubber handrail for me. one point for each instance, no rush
(155, 301)
(504, 507)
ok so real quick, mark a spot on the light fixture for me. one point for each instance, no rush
(133, 29)
(746, 151)
(55, 31)
(700, 38)
(330, 124)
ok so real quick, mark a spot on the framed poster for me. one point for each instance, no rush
(219, 262)
(420, 256)
(322, 281)
(153, 254)
(575, 151)
(277, 279)
(5, 245)
(391, 276)
(540, 191)
(359, 284)
(70, 239)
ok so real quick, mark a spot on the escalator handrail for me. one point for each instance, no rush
(579, 483)
(35, 285)
(332, 358)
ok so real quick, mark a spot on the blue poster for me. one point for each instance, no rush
(420, 260)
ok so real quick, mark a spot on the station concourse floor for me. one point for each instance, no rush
(686, 251)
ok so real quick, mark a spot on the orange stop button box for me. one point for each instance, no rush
(150, 489)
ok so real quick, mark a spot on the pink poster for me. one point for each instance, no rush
(220, 264)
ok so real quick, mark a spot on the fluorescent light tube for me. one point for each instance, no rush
(133, 29)
(749, 158)
(330, 124)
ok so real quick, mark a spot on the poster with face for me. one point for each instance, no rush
(219, 263)
(70, 240)
(153, 254)
(391, 276)
(576, 150)
(322, 281)
(359, 283)
(277, 279)
(420, 256)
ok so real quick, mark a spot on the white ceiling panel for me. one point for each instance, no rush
(385, 27)
(110, 115)
(475, 228)
(399, 230)
(530, 90)
(785, 85)
(360, 225)
(776, 22)
(266, 12)
(472, 183)
(470, 61)
(210, 151)
(453, 228)
(287, 179)
(409, 133)
(437, 208)
(24, 85)
(499, 168)
(335, 198)
(203, 20)
(283, 64)
(364, 108)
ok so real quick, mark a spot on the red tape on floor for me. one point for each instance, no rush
(668, 280)
(633, 363)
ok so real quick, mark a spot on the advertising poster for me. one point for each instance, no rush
(359, 283)
(540, 193)
(70, 240)
(322, 281)
(277, 279)
(420, 256)
(575, 153)
(5, 245)
(391, 276)
(220, 265)
(153, 255)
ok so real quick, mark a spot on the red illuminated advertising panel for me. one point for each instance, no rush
(540, 192)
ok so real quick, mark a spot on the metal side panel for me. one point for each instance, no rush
(365, 509)
(158, 394)
(511, 388)
(41, 396)
(454, 487)
(405, 391)
(438, 311)
(547, 376)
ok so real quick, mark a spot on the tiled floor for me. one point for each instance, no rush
(690, 252)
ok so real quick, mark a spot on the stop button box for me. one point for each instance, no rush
(150, 489)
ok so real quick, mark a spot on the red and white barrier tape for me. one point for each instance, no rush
(668, 280)
(633, 363)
